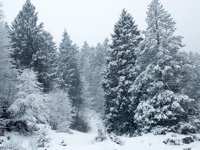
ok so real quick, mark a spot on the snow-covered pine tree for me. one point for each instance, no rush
(92, 63)
(97, 67)
(30, 106)
(119, 76)
(85, 74)
(85, 56)
(101, 53)
(68, 74)
(46, 61)
(158, 89)
(192, 88)
(7, 72)
(25, 37)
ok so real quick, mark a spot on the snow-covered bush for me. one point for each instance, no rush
(169, 141)
(63, 143)
(13, 144)
(40, 139)
(30, 107)
(115, 139)
(60, 111)
(175, 141)
(166, 111)
(101, 136)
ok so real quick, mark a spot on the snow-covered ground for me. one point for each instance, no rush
(86, 141)
(81, 141)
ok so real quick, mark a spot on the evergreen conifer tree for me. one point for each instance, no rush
(46, 61)
(97, 67)
(158, 89)
(85, 73)
(7, 73)
(86, 55)
(68, 73)
(119, 76)
(25, 37)
(192, 87)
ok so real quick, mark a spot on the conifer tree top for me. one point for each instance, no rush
(125, 31)
(160, 28)
(28, 4)
(66, 39)
(27, 16)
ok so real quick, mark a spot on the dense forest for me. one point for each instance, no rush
(138, 81)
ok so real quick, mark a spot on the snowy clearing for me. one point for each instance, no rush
(86, 141)
(83, 141)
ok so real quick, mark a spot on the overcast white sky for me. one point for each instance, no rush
(93, 20)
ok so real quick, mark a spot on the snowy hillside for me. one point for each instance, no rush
(86, 141)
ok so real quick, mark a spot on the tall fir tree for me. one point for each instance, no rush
(92, 64)
(85, 73)
(158, 89)
(68, 73)
(97, 67)
(47, 61)
(25, 37)
(120, 75)
(85, 60)
(192, 88)
(7, 73)
(33, 47)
